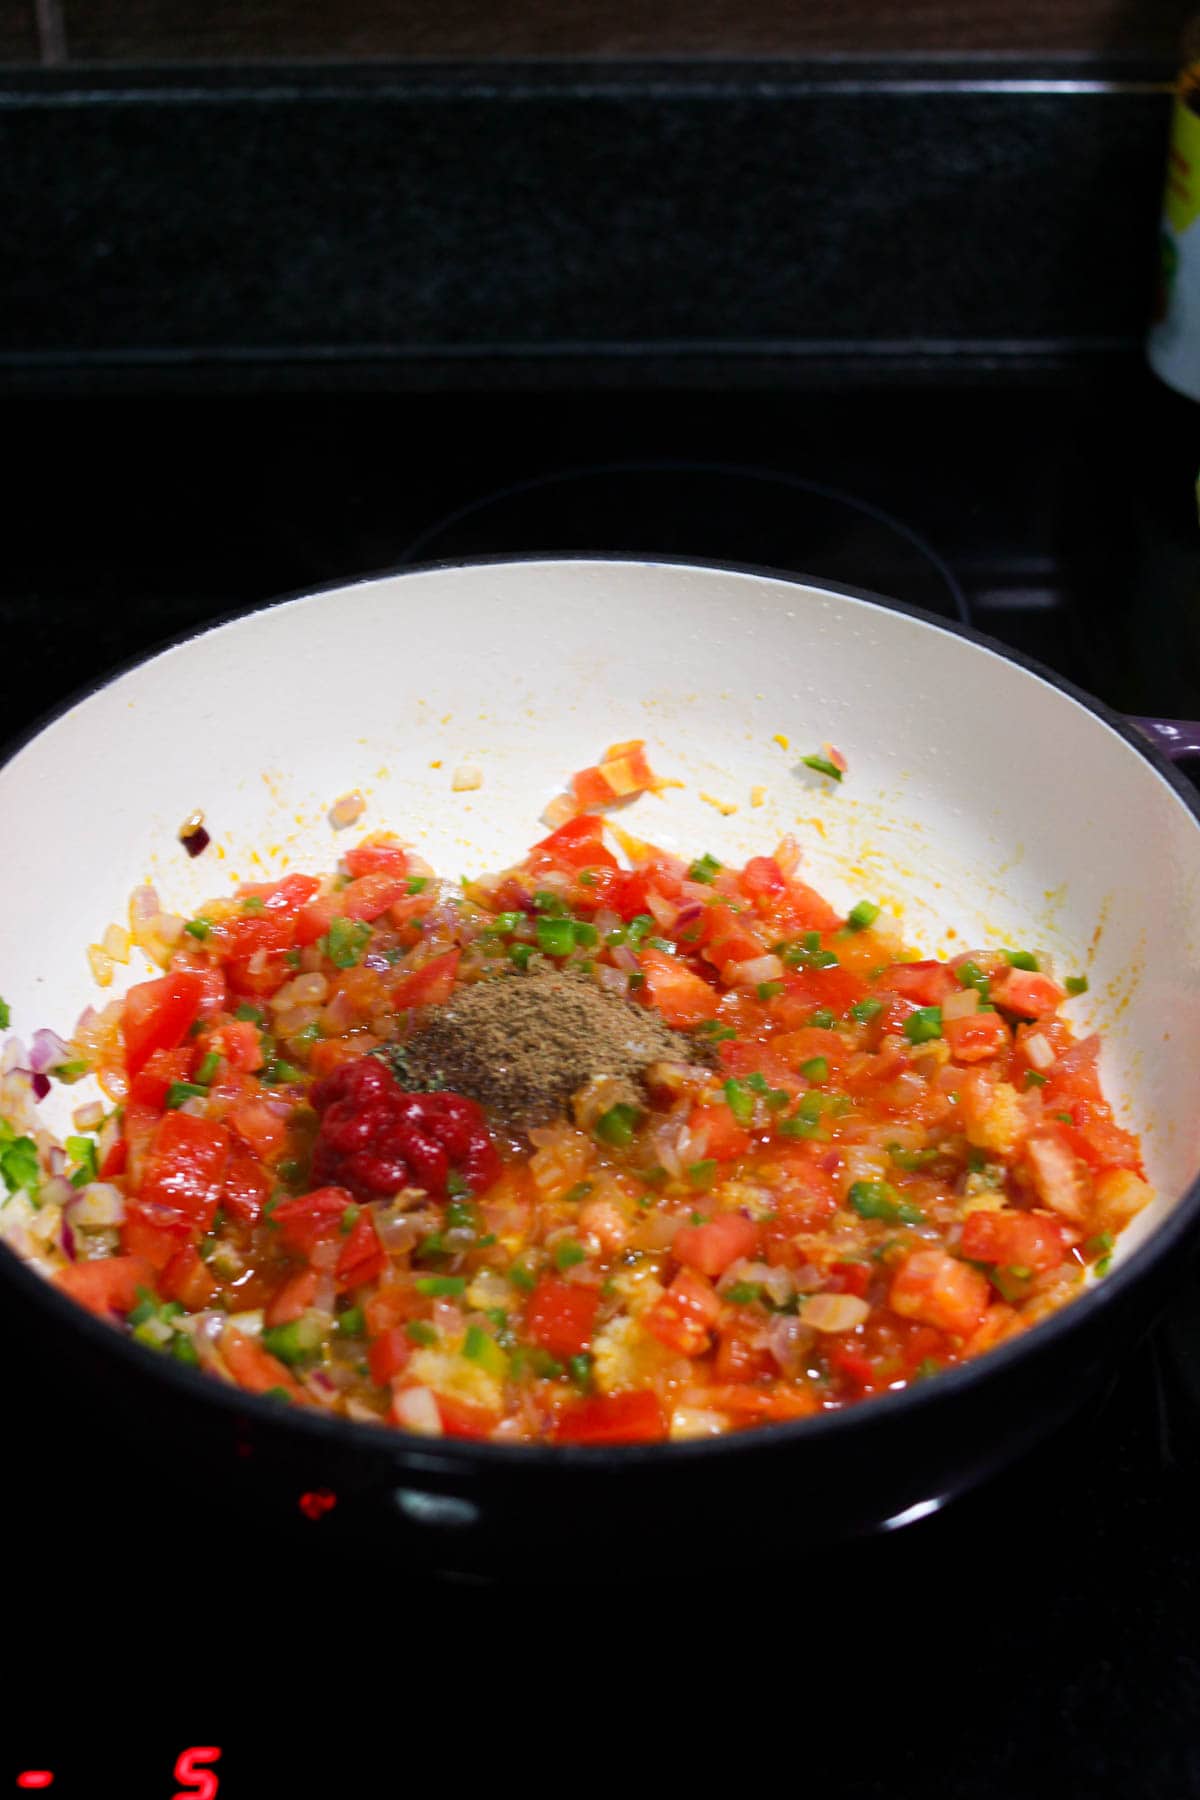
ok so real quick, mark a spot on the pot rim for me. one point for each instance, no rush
(446, 1455)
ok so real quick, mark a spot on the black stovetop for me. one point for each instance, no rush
(1042, 1632)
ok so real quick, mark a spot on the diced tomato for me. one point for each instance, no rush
(854, 1365)
(808, 990)
(393, 1304)
(776, 1404)
(561, 1315)
(939, 1290)
(187, 1279)
(591, 789)
(113, 1162)
(214, 989)
(738, 1357)
(626, 769)
(157, 1015)
(463, 1419)
(313, 921)
(311, 1219)
(683, 1317)
(372, 894)
(726, 1139)
(711, 1247)
(246, 1189)
(806, 910)
(976, 1037)
(577, 845)
(254, 1368)
(185, 1170)
(376, 856)
(286, 896)
(108, 1285)
(681, 997)
(241, 1046)
(292, 1299)
(730, 938)
(247, 933)
(259, 1126)
(927, 983)
(388, 1353)
(149, 1086)
(1016, 1239)
(1027, 992)
(850, 1278)
(762, 880)
(635, 1417)
(430, 985)
(153, 1233)
(331, 1053)
(362, 1257)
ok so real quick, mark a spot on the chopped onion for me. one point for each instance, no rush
(96, 1206)
(756, 970)
(303, 990)
(47, 1051)
(40, 1085)
(624, 959)
(417, 1408)
(790, 1341)
(143, 906)
(962, 1004)
(465, 778)
(664, 912)
(86, 1118)
(835, 1312)
(57, 1192)
(1039, 1051)
(116, 942)
(787, 856)
(347, 809)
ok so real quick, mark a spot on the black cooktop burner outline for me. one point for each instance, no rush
(418, 547)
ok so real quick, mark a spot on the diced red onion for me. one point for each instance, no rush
(688, 914)
(40, 1085)
(47, 1051)
(13, 1058)
(66, 1238)
(86, 1118)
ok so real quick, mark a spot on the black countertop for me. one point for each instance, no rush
(1037, 1637)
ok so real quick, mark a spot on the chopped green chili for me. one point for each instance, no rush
(440, 1285)
(179, 1091)
(618, 1124)
(823, 766)
(922, 1026)
(878, 1200)
(860, 917)
(1077, 984)
(704, 869)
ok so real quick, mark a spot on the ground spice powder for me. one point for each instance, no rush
(522, 1044)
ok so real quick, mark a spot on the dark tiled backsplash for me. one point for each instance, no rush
(797, 218)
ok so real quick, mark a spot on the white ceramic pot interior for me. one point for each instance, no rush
(982, 805)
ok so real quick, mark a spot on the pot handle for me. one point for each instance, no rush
(1176, 738)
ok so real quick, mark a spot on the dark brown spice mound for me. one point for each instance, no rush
(521, 1045)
